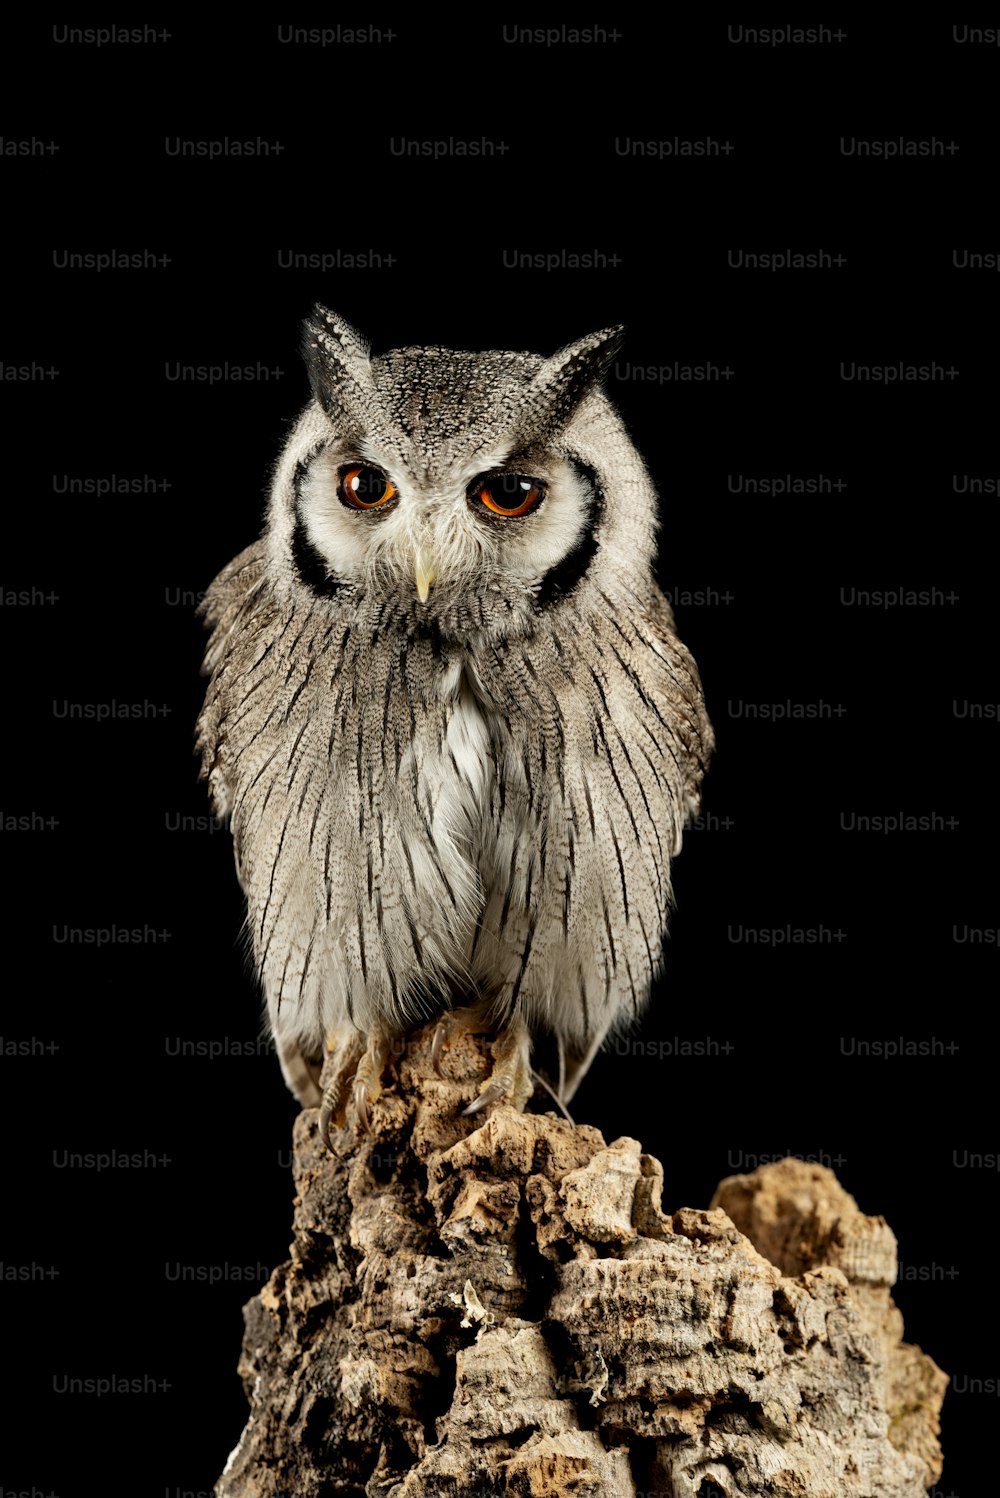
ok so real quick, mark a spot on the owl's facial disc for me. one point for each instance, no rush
(492, 526)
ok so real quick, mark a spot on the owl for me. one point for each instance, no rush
(450, 719)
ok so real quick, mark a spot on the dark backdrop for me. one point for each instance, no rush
(826, 539)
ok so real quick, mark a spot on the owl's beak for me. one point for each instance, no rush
(425, 571)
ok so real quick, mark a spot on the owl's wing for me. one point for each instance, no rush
(688, 741)
(228, 594)
(692, 728)
(233, 592)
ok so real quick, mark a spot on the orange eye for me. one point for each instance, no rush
(365, 488)
(508, 494)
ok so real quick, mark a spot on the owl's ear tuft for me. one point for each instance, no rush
(337, 358)
(587, 358)
(563, 380)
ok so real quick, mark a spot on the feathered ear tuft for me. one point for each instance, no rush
(563, 380)
(337, 358)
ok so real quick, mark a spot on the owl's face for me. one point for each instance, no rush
(467, 490)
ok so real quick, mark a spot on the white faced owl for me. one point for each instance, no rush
(448, 715)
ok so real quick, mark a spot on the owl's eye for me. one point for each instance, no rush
(508, 494)
(365, 488)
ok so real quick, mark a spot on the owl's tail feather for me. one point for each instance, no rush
(540, 1081)
(574, 1062)
(301, 1077)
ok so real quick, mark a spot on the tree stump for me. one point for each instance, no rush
(475, 1309)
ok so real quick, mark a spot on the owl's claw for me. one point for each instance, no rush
(437, 1046)
(328, 1110)
(492, 1093)
(346, 1046)
(361, 1094)
(502, 1087)
(368, 1077)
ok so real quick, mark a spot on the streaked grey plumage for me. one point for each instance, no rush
(458, 746)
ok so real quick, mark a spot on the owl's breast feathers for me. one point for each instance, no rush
(418, 821)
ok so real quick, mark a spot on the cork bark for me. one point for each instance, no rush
(475, 1309)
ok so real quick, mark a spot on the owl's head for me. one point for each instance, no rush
(467, 490)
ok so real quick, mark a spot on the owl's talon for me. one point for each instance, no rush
(492, 1093)
(328, 1110)
(437, 1046)
(361, 1105)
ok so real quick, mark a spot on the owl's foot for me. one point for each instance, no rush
(333, 1107)
(511, 1080)
(358, 1078)
(368, 1077)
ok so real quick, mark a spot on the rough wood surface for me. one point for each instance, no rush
(470, 1312)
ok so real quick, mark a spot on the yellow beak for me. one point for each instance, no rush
(425, 571)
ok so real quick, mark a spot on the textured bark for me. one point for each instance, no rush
(504, 1309)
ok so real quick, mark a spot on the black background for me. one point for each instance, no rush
(762, 584)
